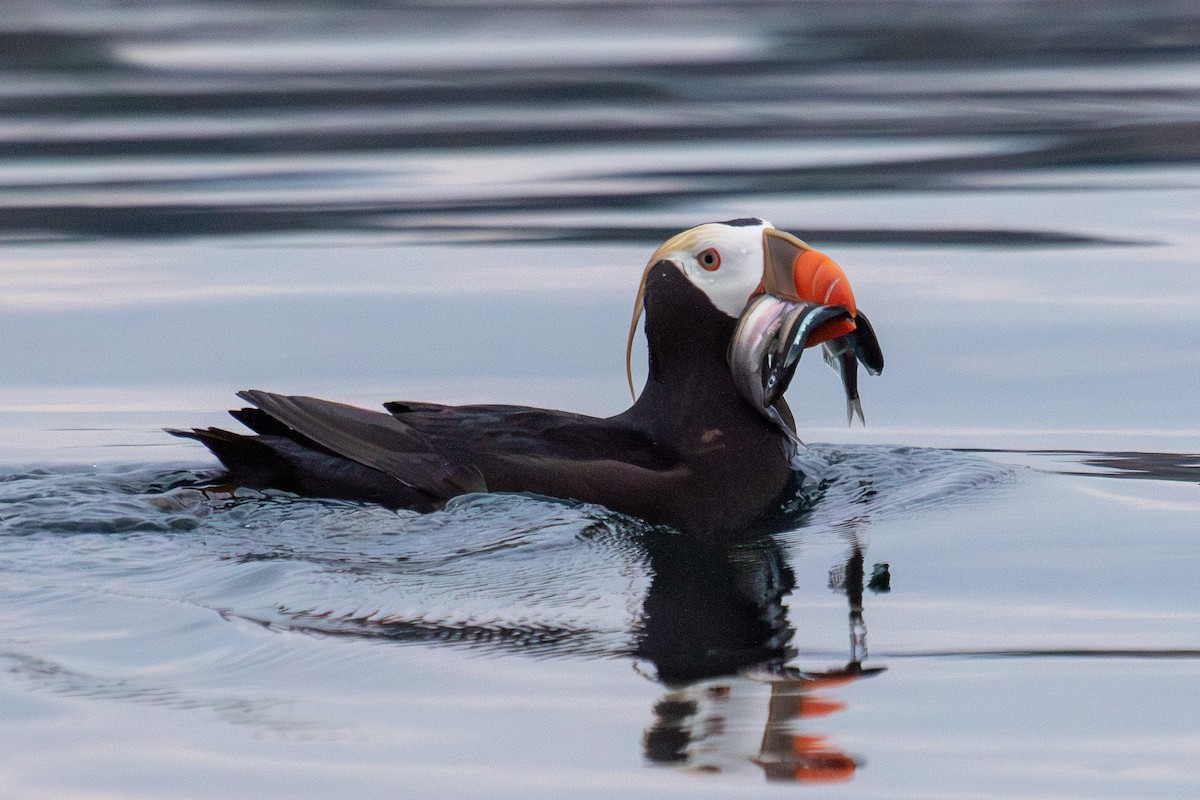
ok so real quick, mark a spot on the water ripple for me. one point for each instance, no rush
(333, 126)
(509, 571)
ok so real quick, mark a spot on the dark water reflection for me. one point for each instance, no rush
(1144, 466)
(708, 615)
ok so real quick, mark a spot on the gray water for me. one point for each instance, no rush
(989, 591)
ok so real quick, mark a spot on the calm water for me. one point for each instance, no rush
(990, 591)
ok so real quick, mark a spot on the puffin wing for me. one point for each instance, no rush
(553, 453)
(443, 451)
(374, 439)
(520, 433)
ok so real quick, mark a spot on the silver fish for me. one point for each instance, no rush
(799, 323)
(756, 332)
(845, 353)
(748, 355)
(839, 354)
(771, 335)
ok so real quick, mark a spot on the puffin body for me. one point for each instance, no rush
(691, 452)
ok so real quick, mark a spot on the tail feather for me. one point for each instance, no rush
(251, 461)
(260, 422)
(287, 463)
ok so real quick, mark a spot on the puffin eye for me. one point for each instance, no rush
(709, 259)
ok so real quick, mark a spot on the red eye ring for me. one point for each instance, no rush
(709, 259)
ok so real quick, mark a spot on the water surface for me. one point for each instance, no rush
(989, 591)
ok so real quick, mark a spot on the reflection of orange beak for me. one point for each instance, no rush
(795, 271)
(817, 762)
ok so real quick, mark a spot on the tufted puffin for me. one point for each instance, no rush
(691, 452)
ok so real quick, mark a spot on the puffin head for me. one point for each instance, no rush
(730, 262)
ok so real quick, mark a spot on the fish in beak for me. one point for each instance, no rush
(844, 354)
(787, 297)
(804, 300)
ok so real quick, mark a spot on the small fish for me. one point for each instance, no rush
(800, 323)
(749, 353)
(845, 353)
(771, 335)
(839, 354)
(865, 345)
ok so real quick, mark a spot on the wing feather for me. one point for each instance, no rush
(372, 438)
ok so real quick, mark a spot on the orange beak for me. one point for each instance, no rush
(795, 271)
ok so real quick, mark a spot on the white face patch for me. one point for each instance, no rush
(725, 261)
(739, 268)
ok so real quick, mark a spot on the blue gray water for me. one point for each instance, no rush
(988, 591)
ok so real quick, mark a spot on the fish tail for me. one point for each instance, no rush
(854, 408)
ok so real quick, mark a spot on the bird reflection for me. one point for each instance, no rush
(711, 611)
(715, 630)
